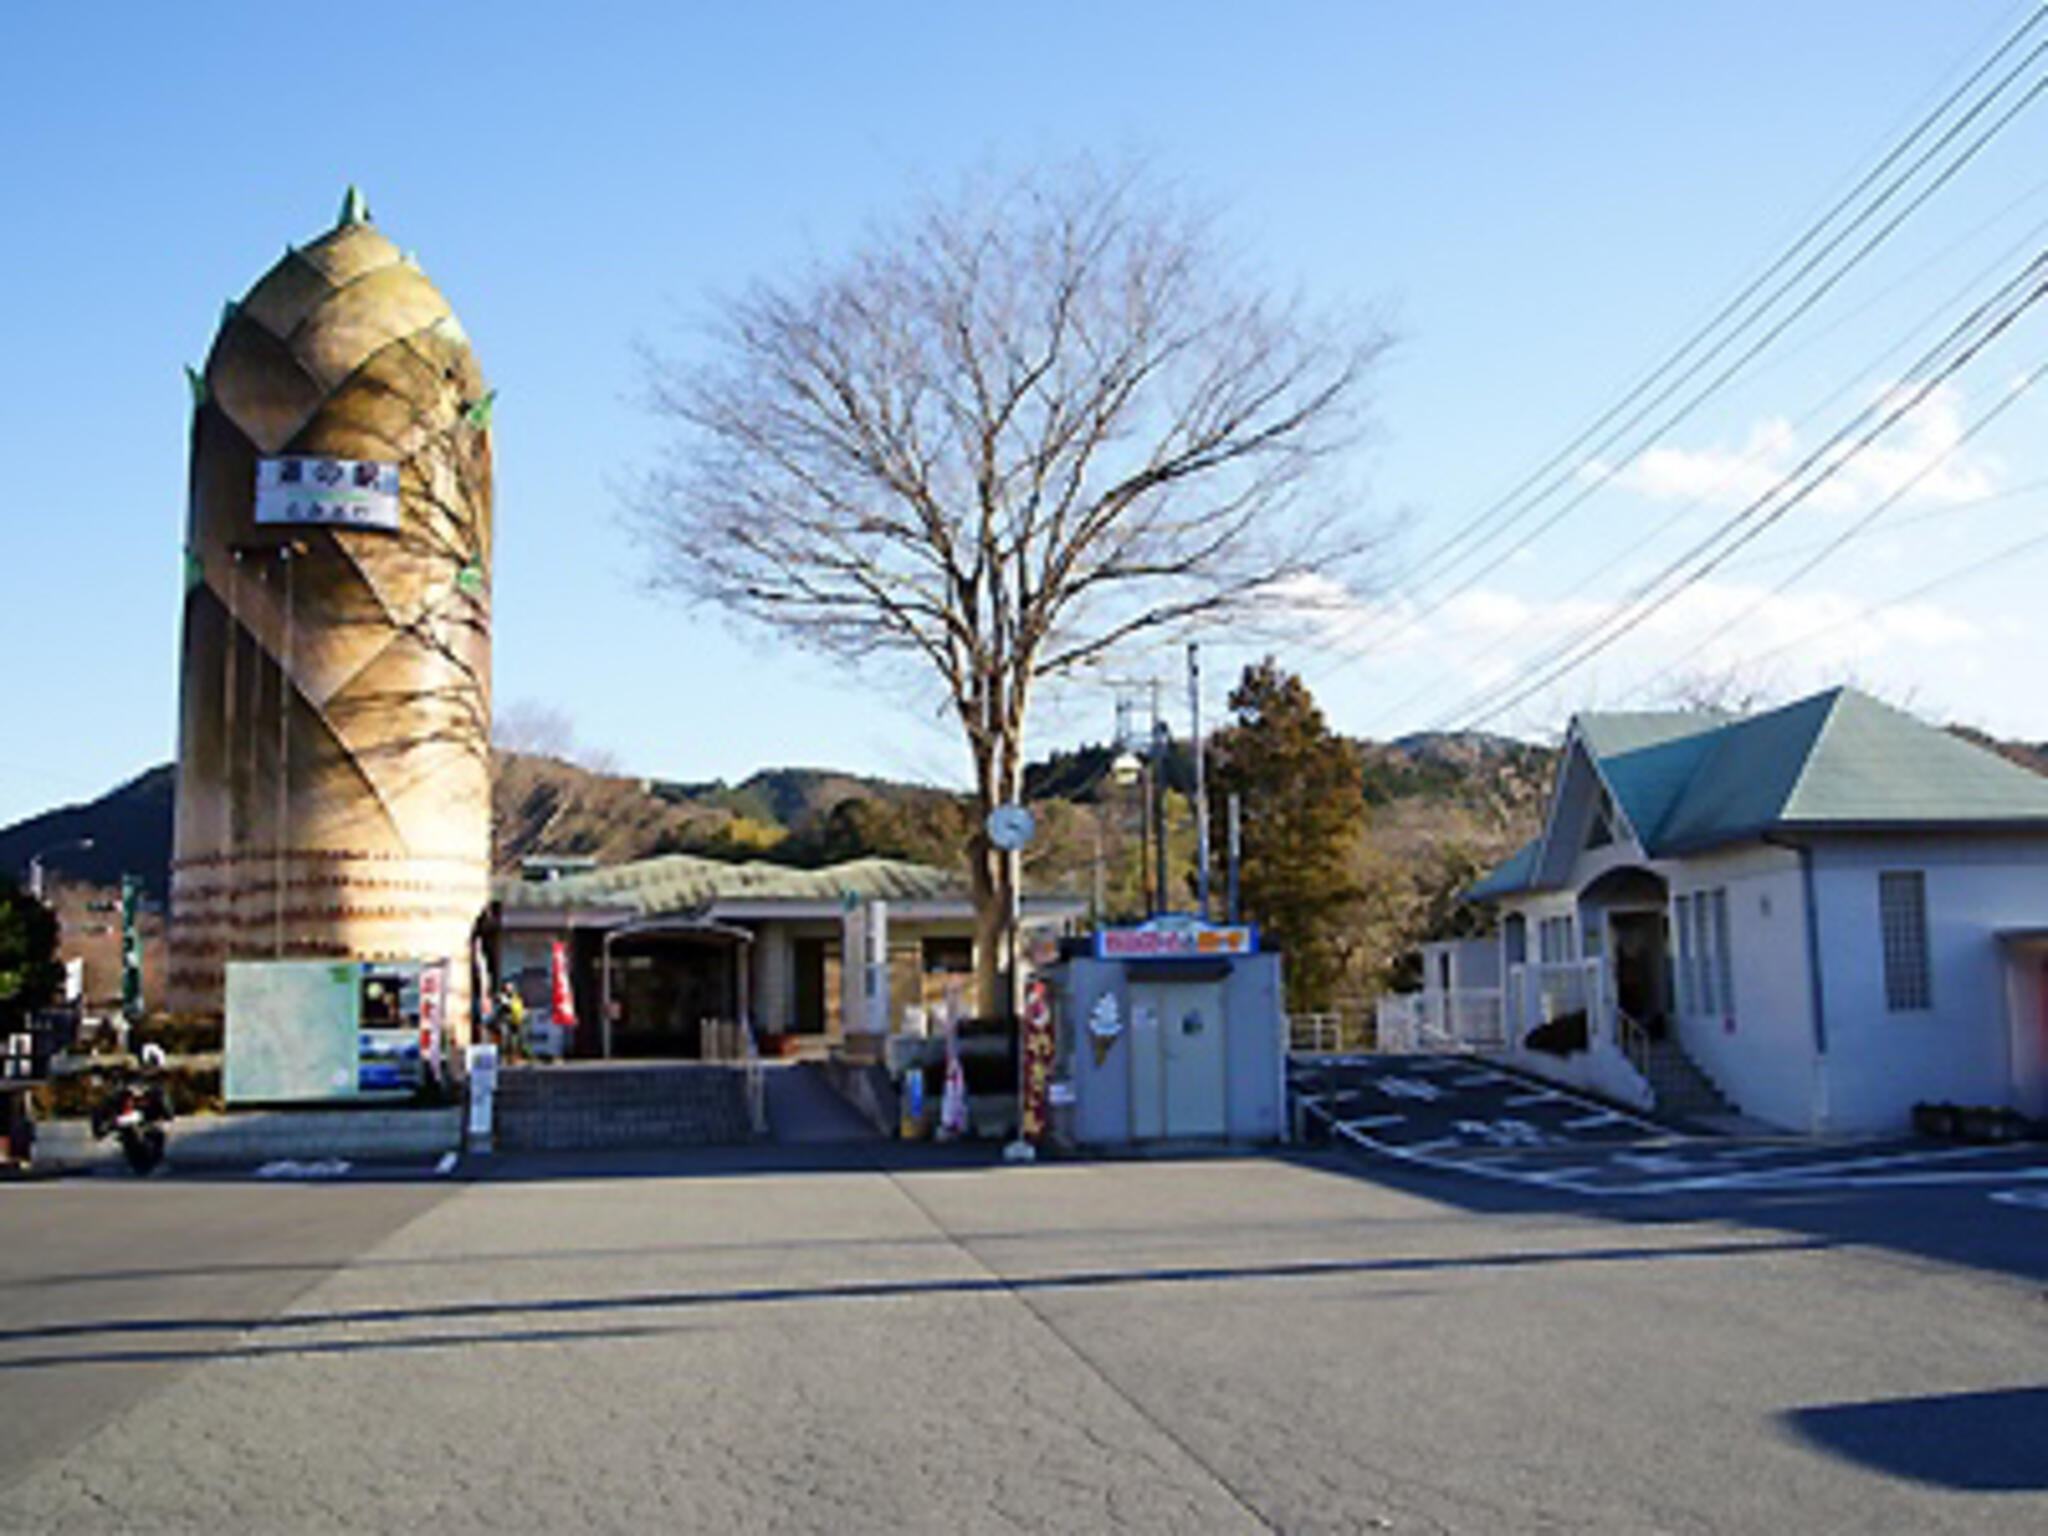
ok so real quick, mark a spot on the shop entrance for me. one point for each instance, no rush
(666, 986)
(1177, 1057)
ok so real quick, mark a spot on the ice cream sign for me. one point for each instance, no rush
(1169, 938)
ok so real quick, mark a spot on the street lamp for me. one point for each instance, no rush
(35, 862)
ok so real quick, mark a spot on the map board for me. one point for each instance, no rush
(291, 1030)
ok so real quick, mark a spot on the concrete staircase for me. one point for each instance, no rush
(1683, 1091)
(581, 1106)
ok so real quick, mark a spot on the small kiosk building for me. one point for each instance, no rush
(1172, 1031)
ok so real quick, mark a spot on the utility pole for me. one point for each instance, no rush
(1235, 849)
(1201, 782)
(1160, 740)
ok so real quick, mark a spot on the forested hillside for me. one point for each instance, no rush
(1441, 809)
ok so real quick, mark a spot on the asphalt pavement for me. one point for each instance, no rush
(1336, 1339)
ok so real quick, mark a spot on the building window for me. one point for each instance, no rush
(1554, 940)
(1706, 960)
(1724, 961)
(1683, 924)
(1703, 952)
(947, 956)
(1902, 921)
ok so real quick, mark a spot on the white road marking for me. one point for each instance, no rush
(1654, 1162)
(1540, 1096)
(1588, 1122)
(1477, 1080)
(1772, 1176)
(2034, 1199)
(1576, 1179)
(1409, 1088)
(1503, 1133)
(1375, 1122)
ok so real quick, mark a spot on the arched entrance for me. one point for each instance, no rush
(661, 979)
(1627, 907)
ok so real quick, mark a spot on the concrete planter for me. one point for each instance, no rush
(260, 1136)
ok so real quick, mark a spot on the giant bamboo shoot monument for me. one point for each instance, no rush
(334, 729)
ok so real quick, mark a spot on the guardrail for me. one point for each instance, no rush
(1470, 1019)
(1315, 1034)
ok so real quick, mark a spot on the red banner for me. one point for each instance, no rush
(1035, 1061)
(564, 1011)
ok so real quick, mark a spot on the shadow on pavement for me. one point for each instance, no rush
(253, 1331)
(1975, 1442)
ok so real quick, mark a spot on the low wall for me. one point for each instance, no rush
(261, 1136)
(1600, 1069)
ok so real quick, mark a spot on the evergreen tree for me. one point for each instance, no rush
(1302, 791)
(29, 972)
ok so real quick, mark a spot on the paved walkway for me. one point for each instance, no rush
(805, 1110)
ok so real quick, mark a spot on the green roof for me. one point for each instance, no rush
(1839, 761)
(1651, 772)
(682, 882)
(1510, 877)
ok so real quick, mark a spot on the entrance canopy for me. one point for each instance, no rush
(693, 969)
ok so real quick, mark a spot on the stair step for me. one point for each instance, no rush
(580, 1108)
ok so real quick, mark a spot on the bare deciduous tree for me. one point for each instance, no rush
(1038, 422)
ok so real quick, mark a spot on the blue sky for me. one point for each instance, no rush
(1542, 198)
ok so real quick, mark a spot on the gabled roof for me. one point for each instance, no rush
(1646, 761)
(1838, 761)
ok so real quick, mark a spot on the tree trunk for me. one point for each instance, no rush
(992, 874)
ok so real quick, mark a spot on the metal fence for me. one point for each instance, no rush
(1333, 1032)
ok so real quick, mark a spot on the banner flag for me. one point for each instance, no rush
(564, 1012)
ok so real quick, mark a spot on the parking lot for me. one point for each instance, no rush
(1458, 1114)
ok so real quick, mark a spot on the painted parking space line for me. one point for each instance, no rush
(1589, 1122)
(1622, 1176)
(1377, 1122)
(2035, 1199)
(1872, 1164)
(1399, 1087)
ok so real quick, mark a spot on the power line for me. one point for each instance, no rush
(1857, 528)
(1562, 467)
(1997, 557)
(1758, 515)
(1621, 556)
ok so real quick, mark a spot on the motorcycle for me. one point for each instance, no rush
(136, 1109)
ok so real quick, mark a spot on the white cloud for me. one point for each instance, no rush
(1928, 439)
(1487, 637)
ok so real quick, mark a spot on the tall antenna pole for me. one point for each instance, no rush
(1236, 849)
(284, 756)
(1201, 782)
(1159, 797)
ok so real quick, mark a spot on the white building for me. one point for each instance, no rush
(1827, 912)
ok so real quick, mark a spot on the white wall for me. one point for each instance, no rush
(1881, 1063)
(1475, 964)
(1760, 1052)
